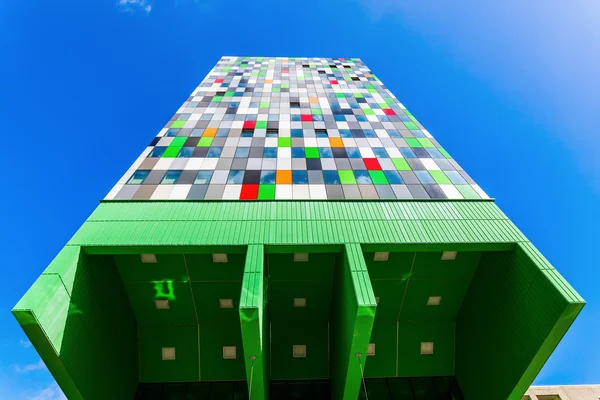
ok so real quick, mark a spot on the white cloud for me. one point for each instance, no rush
(51, 392)
(25, 343)
(132, 5)
(23, 369)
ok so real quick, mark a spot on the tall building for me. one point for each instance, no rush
(294, 232)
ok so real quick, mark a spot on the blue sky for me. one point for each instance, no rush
(510, 90)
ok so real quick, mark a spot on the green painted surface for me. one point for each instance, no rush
(295, 222)
(352, 315)
(515, 312)
(340, 282)
(71, 322)
(311, 280)
(255, 324)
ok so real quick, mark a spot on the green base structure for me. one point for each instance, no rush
(261, 299)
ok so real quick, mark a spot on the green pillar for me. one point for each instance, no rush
(353, 313)
(255, 324)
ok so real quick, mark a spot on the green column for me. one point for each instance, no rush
(77, 317)
(352, 316)
(255, 324)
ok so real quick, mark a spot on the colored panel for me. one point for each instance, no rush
(336, 126)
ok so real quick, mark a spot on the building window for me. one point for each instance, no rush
(203, 177)
(138, 177)
(171, 177)
(157, 152)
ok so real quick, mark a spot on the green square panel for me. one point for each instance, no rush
(266, 192)
(378, 177)
(391, 294)
(383, 363)
(312, 152)
(172, 151)
(314, 336)
(205, 142)
(284, 142)
(202, 267)
(206, 299)
(167, 267)
(213, 366)
(431, 266)
(415, 308)
(440, 177)
(142, 297)
(347, 177)
(401, 164)
(397, 266)
(410, 360)
(468, 192)
(153, 368)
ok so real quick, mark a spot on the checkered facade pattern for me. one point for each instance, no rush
(260, 128)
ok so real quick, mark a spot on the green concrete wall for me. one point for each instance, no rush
(516, 311)
(78, 318)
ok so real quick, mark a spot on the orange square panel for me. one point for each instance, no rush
(284, 177)
(336, 142)
(209, 132)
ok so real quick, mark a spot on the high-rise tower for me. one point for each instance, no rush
(294, 232)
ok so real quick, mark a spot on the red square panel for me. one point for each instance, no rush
(333, 82)
(219, 80)
(249, 124)
(284, 71)
(249, 192)
(389, 111)
(306, 117)
(371, 163)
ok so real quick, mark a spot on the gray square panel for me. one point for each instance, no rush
(154, 177)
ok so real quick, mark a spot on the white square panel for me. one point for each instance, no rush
(162, 304)
(148, 258)
(299, 302)
(229, 352)
(299, 351)
(225, 303)
(426, 348)
(168, 353)
(371, 349)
